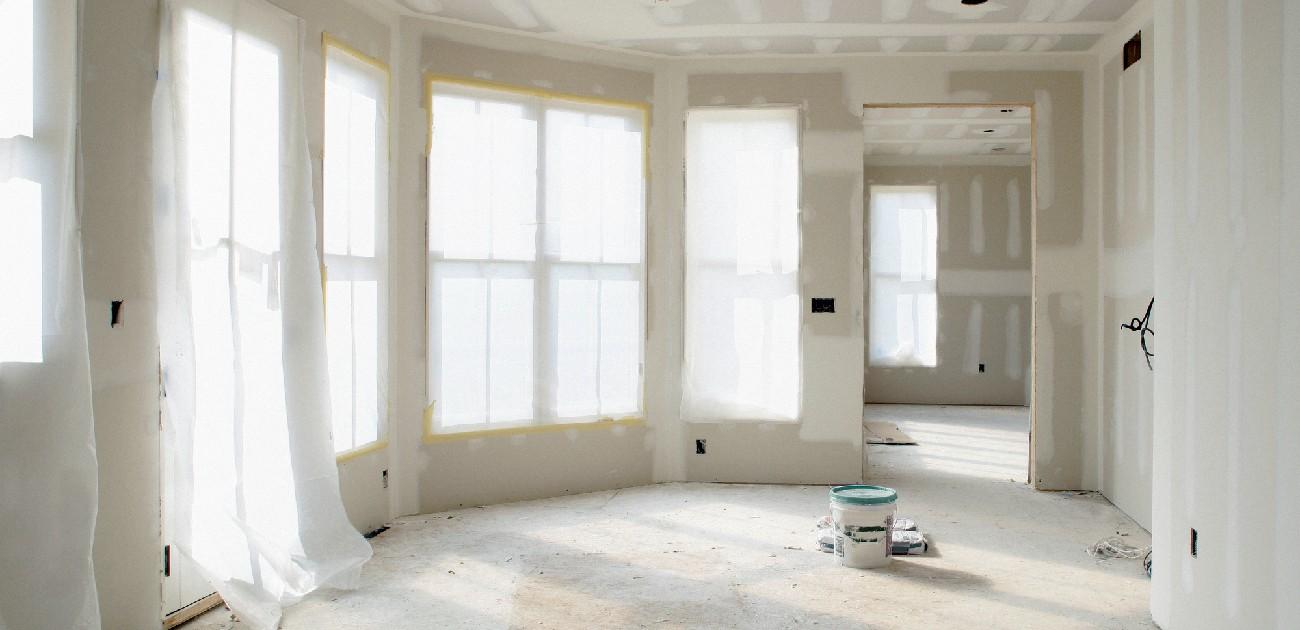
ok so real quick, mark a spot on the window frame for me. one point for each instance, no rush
(538, 99)
(382, 215)
(915, 361)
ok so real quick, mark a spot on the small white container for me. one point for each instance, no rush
(864, 523)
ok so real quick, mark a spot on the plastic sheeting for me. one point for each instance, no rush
(904, 277)
(356, 212)
(742, 353)
(536, 213)
(241, 326)
(48, 473)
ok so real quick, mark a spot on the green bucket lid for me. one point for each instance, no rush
(863, 495)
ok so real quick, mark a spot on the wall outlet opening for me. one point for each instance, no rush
(981, 368)
(384, 477)
(1193, 541)
(700, 446)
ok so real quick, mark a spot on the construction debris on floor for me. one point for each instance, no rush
(885, 433)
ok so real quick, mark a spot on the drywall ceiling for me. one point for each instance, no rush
(947, 131)
(826, 27)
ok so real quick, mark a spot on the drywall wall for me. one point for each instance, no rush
(833, 91)
(1227, 275)
(492, 469)
(119, 45)
(825, 446)
(983, 287)
(1127, 278)
(119, 50)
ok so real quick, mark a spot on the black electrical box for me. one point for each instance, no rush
(823, 305)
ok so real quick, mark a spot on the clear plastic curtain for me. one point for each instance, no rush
(504, 267)
(241, 323)
(48, 475)
(742, 351)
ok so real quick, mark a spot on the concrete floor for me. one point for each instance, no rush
(689, 555)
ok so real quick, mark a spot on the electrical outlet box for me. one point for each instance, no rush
(981, 368)
(385, 477)
(700, 446)
(1194, 542)
(823, 305)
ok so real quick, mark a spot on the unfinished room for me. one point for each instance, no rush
(399, 314)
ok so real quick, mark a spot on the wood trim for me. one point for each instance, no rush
(191, 611)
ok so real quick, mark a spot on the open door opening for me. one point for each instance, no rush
(948, 261)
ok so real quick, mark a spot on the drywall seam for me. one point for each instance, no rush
(976, 211)
(1013, 219)
(985, 282)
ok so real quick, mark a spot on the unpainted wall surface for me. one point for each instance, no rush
(119, 51)
(833, 92)
(1227, 275)
(984, 288)
(826, 445)
(491, 469)
(1128, 281)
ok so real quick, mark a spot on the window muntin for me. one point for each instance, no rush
(903, 327)
(743, 346)
(355, 176)
(536, 219)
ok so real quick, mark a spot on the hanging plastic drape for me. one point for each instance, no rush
(48, 476)
(742, 351)
(241, 325)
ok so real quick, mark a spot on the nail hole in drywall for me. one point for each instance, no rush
(700, 447)
(115, 313)
(1194, 542)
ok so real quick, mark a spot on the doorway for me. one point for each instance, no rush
(948, 255)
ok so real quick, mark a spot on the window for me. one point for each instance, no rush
(742, 353)
(536, 206)
(904, 278)
(356, 208)
(21, 281)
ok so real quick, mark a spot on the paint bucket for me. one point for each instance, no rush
(864, 523)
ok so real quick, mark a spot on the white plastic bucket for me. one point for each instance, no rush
(864, 523)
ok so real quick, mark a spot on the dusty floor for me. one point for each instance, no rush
(722, 556)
